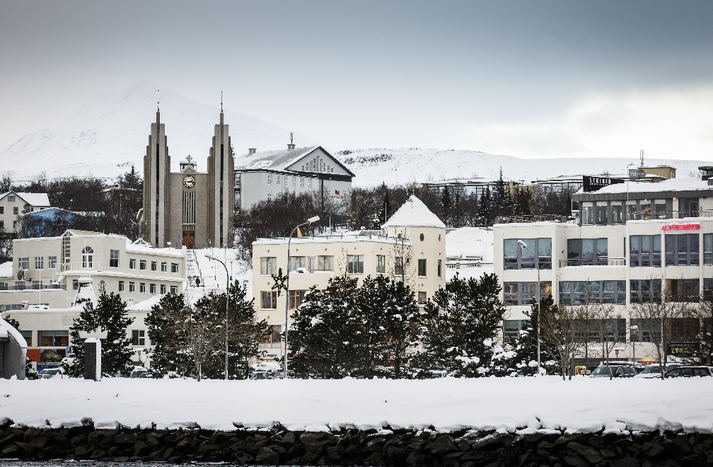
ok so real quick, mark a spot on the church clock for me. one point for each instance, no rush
(189, 181)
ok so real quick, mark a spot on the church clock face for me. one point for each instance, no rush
(189, 181)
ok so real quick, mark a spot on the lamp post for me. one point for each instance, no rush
(287, 283)
(523, 245)
(227, 300)
(634, 333)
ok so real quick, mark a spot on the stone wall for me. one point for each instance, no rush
(279, 446)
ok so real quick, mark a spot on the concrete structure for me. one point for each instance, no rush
(265, 176)
(14, 205)
(189, 208)
(411, 247)
(13, 350)
(633, 243)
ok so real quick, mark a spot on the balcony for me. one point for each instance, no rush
(602, 261)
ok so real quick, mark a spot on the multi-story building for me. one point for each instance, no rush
(410, 247)
(633, 244)
(14, 205)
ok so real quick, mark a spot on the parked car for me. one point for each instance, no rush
(614, 371)
(139, 372)
(654, 371)
(689, 372)
(53, 373)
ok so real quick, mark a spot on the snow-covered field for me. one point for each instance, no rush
(506, 404)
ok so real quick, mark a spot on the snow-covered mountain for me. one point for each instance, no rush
(105, 138)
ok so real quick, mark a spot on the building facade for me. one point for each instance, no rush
(189, 208)
(15, 205)
(633, 244)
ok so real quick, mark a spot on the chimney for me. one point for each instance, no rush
(251, 151)
(291, 146)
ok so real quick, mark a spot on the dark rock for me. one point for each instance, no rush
(441, 445)
(415, 459)
(334, 453)
(650, 449)
(309, 458)
(376, 444)
(11, 451)
(267, 456)
(589, 453)
(626, 462)
(207, 447)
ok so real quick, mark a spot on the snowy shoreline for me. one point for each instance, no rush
(507, 405)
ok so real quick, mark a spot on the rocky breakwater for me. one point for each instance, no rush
(388, 447)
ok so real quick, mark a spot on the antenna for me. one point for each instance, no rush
(221, 101)
(641, 155)
(158, 100)
(291, 138)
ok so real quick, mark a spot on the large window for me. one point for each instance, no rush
(355, 264)
(708, 249)
(297, 262)
(421, 268)
(325, 263)
(24, 263)
(39, 262)
(87, 257)
(682, 250)
(645, 251)
(688, 207)
(138, 337)
(587, 251)
(684, 290)
(296, 298)
(524, 293)
(53, 338)
(645, 330)
(516, 257)
(113, 258)
(592, 292)
(645, 291)
(268, 299)
(268, 266)
(52, 262)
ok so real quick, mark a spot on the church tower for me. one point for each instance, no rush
(157, 164)
(221, 172)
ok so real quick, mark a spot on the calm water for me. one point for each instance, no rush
(74, 463)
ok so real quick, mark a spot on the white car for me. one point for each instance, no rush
(654, 371)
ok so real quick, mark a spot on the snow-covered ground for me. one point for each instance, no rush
(506, 404)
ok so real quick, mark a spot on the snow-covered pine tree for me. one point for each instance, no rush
(111, 316)
(164, 331)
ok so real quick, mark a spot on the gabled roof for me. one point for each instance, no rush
(283, 159)
(33, 199)
(414, 213)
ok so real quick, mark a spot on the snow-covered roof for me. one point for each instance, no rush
(670, 185)
(6, 331)
(6, 269)
(277, 160)
(470, 242)
(33, 199)
(414, 213)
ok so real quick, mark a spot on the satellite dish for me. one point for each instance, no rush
(20, 274)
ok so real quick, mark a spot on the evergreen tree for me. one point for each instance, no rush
(111, 316)
(446, 207)
(502, 200)
(486, 213)
(163, 322)
(462, 326)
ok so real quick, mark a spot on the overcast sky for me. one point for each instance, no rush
(523, 78)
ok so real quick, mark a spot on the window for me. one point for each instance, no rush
(297, 262)
(11, 198)
(269, 179)
(152, 288)
(422, 298)
(645, 291)
(174, 290)
(39, 262)
(616, 212)
(355, 264)
(278, 181)
(2, 223)
(154, 266)
(524, 293)
(512, 328)
(53, 338)
(138, 337)
(52, 262)
(113, 258)
(708, 249)
(268, 299)
(24, 263)
(142, 287)
(164, 267)
(28, 337)
(296, 298)
(421, 268)
(684, 290)
(438, 268)
(522, 258)
(132, 287)
(174, 268)
(142, 265)
(645, 251)
(75, 284)
(398, 266)
(592, 292)
(15, 210)
(268, 266)
(380, 264)
(163, 289)
(325, 263)
(682, 250)
(132, 264)
(87, 257)
(587, 213)
(587, 251)
(2, 209)
(647, 330)
(121, 286)
(688, 207)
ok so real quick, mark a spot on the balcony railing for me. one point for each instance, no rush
(602, 261)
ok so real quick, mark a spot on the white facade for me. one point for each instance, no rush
(613, 255)
(14, 205)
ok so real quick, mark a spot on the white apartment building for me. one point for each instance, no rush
(410, 247)
(14, 205)
(633, 242)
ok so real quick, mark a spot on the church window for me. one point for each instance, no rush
(87, 257)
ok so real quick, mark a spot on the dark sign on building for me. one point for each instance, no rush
(595, 183)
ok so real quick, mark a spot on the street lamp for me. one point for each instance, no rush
(634, 333)
(287, 283)
(523, 245)
(227, 300)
